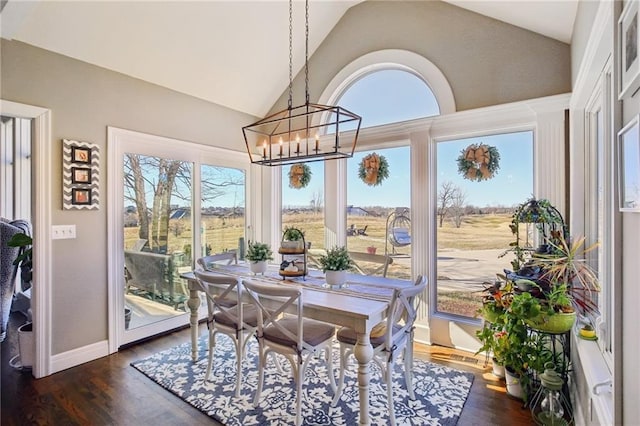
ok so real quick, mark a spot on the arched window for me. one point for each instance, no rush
(381, 97)
(389, 96)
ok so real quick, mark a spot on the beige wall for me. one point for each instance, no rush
(486, 62)
(84, 100)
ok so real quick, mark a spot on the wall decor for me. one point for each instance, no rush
(478, 162)
(80, 175)
(299, 175)
(629, 166)
(373, 169)
(629, 40)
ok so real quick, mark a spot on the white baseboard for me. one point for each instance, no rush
(422, 334)
(79, 356)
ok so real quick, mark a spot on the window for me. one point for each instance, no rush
(600, 204)
(473, 218)
(389, 96)
(222, 209)
(303, 208)
(374, 212)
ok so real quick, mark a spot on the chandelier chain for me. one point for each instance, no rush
(306, 53)
(290, 54)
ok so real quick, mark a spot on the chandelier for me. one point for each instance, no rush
(305, 133)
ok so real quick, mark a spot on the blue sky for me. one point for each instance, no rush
(393, 95)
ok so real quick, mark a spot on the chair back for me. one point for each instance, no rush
(229, 288)
(224, 258)
(403, 311)
(280, 300)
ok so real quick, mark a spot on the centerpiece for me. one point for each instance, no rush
(258, 254)
(335, 265)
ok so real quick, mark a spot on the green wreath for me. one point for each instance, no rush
(299, 175)
(479, 162)
(373, 169)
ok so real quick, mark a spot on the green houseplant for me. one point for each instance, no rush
(25, 256)
(335, 264)
(258, 254)
(292, 239)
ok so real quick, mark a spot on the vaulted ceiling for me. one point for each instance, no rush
(234, 52)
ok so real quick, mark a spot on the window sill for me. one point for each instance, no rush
(598, 395)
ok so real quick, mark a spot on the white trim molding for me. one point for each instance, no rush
(41, 295)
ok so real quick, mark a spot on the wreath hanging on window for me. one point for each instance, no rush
(479, 162)
(373, 169)
(299, 175)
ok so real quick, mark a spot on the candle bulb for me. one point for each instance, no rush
(297, 144)
(280, 147)
(264, 149)
(317, 141)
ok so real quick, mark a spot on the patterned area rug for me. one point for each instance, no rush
(440, 391)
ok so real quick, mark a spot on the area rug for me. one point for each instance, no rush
(440, 391)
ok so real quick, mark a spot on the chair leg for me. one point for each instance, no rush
(262, 360)
(388, 373)
(343, 366)
(408, 367)
(239, 352)
(299, 375)
(212, 346)
(329, 361)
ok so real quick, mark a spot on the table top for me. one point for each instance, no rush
(361, 304)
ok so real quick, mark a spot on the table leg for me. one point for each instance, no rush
(194, 304)
(363, 352)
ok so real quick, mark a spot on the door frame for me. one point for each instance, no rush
(118, 142)
(41, 222)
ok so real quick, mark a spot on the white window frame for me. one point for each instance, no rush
(600, 204)
(119, 142)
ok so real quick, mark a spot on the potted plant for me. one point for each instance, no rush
(292, 239)
(24, 258)
(335, 265)
(258, 254)
(26, 340)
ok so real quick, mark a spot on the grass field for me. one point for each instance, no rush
(468, 253)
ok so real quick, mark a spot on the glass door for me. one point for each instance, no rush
(157, 237)
(171, 204)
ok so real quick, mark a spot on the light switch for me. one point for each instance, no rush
(62, 232)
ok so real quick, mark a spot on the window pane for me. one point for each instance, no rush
(389, 96)
(377, 215)
(303, 208)
(473, 218)
(222, 209)
(157, 236)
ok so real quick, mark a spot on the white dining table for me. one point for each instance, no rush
(342, 308)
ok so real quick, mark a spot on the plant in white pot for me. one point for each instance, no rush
(335, 265)
(258, 254)
(292, 239)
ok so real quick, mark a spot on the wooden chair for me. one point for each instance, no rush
(383, 260)
(293, 336)
(238, 321)
(388, 339)
(223, 258)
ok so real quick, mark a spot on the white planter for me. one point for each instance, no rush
(258, 267)
(336, 278)
(498, 370)
(514, 386)
(26, 344)
(291, 245)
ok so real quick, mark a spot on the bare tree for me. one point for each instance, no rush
(457, 210)
(316, 201)
(158, 180)
(445, 198)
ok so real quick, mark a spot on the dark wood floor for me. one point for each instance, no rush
(110, 392)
